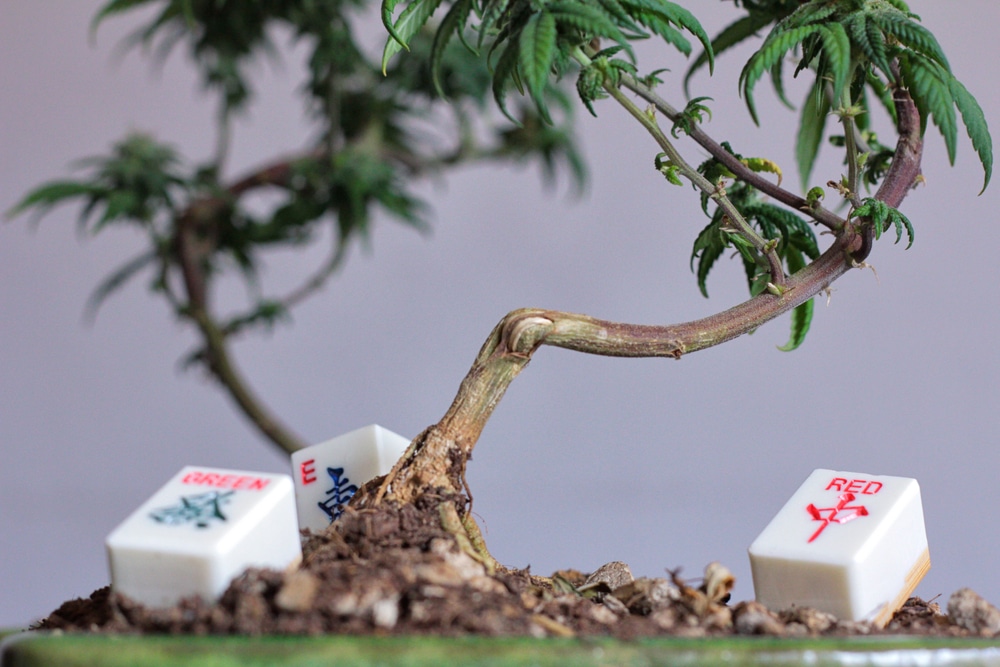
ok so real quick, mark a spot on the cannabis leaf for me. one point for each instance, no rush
(937, 93)
(812, 127)
(453, 23)
(851, 45)
(777, 44)
(693, 114)
(531, 42)
(882, 216)
(801, 320)
(760, 15)
(405, 27)
(133, 184)
(791, 237)
(670, 170)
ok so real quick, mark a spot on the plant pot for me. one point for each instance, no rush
(31, 649)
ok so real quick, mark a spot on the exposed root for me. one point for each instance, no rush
(467, 535)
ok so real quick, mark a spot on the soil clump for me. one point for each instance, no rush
(395, 570)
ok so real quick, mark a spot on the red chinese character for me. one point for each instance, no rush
(830, 515)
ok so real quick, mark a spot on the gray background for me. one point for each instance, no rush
(658, 463)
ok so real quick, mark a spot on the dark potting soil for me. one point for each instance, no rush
(394, 570)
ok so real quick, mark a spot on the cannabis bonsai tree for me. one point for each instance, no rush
(446, 59)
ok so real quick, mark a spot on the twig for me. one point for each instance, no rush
(191, 252)
(821, 215)
(737, 223)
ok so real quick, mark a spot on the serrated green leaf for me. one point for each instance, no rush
(589, 20)
(660, 15)
(730, 36)
(693, 114)
(685, 19)
(809, 13)
(869, 39)
(812, 125)
(778, 81)
(708, 247)
(453, 21)
(662, 28)
(116, 280)
(774, 49)
(388, 7)
(112, 8)
(881, 216)
(911, 34)
(929, 86)
(836, 55)
(536, 51)
(409, 24)
(491, 13)
(975, 126)
(900, 222)
(802, 316)
(506, 70)
(615, 9)
(589, 86)
(776, 222)
(616, 66)
(50, 194)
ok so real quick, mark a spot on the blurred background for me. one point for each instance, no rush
(659, 463)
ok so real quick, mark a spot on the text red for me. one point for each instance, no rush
(235, 482)
(308, 471)
(862, 486)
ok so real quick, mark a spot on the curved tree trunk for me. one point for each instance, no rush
(436, 459)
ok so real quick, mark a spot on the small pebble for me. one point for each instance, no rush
(298, 592)
(969, 610)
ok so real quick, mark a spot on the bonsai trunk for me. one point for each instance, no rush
(437, 458)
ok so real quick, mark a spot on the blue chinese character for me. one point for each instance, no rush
(338, 496)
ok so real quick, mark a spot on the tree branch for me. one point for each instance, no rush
(904, 172)
(821, 215)
(192, 248)
(194, 244)
(736, 221)
(220, 362)
(434, 456)
(437, 457)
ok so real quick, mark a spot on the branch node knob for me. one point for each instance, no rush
(525, 333)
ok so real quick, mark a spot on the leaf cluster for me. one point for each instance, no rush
(790, 235)
(693, 114)
(786, 233)
(883, 216)
(373, 141)
(855, 48)
(143, 183)
(138, 179)
(225, 36)
(759, 15)
(529, 42)
(371, 113)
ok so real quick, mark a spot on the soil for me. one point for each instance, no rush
(395, 570)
